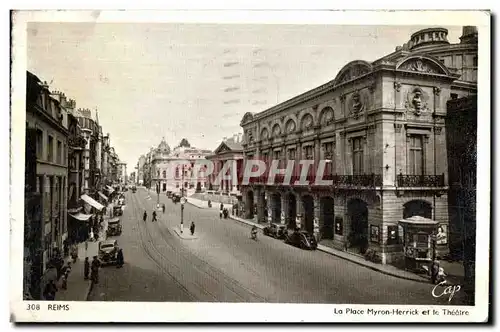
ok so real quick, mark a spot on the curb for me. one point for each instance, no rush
(374, 268)
(331, 252)
(177, 232)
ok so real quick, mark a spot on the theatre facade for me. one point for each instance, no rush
(381, 128)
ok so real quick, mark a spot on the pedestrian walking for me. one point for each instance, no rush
(163, 207)
(49, 293)
(192, 227)
(145, 216)
(94, 274)
(154, 216)
(86, 268)
(119, 259)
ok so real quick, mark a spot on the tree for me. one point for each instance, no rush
(184, 143)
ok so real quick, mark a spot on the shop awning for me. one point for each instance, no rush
(419, 221)
(89, 200)
(102, 195)
(109, 189)
(81, 216)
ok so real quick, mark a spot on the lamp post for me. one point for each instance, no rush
(183, 200)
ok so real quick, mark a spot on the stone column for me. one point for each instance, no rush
(317, 216)
(317, 151)
(284, 208)
(300, 221)
(260, 205)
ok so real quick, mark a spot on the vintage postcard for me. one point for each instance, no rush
(254, 166)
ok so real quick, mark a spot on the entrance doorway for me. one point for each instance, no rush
(327, 216)
(357, 211)
(308, 204)
(249, 205)
(292, 211)
(276, 208)
(164, 187)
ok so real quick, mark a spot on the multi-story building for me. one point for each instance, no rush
(381, 129)
(105, 167)
(140, 170)
(161, 161)
(122, 172)
(91, 131)
(229, 150)
(47, 131)
(462, 169)
(190, 178)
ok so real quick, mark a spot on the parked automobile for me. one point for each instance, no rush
(134, 189)
(169, 194)
(277, 231)
(301, 239)
(108, 251)
(117, 211)
(114, 227)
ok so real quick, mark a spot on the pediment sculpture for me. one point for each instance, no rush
(421, 66)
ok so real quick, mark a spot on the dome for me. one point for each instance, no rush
(163, 147)
(429, 36)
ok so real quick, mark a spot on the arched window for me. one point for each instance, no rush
(164, 174)
(158, 173)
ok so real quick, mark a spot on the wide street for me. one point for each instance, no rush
(224, 265)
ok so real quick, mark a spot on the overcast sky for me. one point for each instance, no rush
(156, 80)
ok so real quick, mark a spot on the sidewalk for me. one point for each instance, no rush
(78, 288)
(386, 269)
(204, 204)
(185, 235)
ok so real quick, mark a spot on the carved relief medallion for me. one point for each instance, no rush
(290, 126)
(307, 122)
(416, 101)
(356, 105)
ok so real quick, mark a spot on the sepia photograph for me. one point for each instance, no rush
(206, 162)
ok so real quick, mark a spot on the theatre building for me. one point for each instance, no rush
(381, 128)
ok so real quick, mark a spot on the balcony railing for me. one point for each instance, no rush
(420, 180)
(364, 180)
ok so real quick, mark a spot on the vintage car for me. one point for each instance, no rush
(301, 239)
(114, 227)
(117, 211)
(134, 189)
(108, 250)
(277, 231)
(176, 198)
(169, 194)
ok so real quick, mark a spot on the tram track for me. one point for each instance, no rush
(229, 289)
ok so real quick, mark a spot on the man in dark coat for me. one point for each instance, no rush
(145, 216)
(86, 268)
(192, 227)
(119, 259)
(154, 216)
(163, 207)
(94, 274)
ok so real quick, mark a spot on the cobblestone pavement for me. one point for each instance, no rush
(224, 264)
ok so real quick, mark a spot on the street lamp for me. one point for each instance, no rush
(183, 200)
